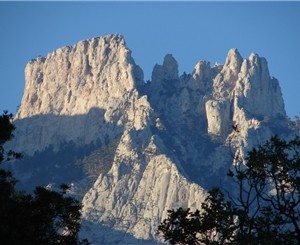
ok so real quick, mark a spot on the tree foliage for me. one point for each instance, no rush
(264, 208)
(47, 217)
(181, 226)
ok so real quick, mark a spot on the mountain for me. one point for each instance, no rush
(132, 150)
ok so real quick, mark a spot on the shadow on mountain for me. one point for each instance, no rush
(180, 105)
(75, 158)
(101, 234)
(185, 130)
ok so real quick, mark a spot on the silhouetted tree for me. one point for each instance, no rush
(181, 226)
(47, 217)
(264, 210)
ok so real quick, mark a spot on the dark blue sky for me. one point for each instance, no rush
(191, 31)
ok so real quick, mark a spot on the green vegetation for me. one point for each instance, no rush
(47, 217)
(262, 208)
(100, 160)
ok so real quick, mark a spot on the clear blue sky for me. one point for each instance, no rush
(191, 31)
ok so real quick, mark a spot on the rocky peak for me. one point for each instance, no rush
(201, 78)
(259, 66)
(256, 92)
(95, 77)
(72, 80)
(253, 58)
(170, 66)
(224, 81)
(241, 91)
(167, 71)
(234, 60)
(202, 71)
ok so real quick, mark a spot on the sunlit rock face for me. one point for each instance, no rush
(72, 80)
(93, 81)
(156, 145)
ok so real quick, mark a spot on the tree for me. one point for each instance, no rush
(214, 225)
(269, 191)
(264, 210)
(181, 226)
(47, 217)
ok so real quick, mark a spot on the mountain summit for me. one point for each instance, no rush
(133, 150)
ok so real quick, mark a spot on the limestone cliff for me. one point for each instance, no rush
(93, 81)
(151, 146)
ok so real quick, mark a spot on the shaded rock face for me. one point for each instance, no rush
(158, 145)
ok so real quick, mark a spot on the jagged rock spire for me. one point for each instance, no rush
(234, 60)
(167, 71)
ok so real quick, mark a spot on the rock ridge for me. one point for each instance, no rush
(175, 134)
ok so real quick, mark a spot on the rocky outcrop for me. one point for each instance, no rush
(96, 77)
(141, 186)
(256, 91)
(173, 137)
(71, 80)
(243, 91)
